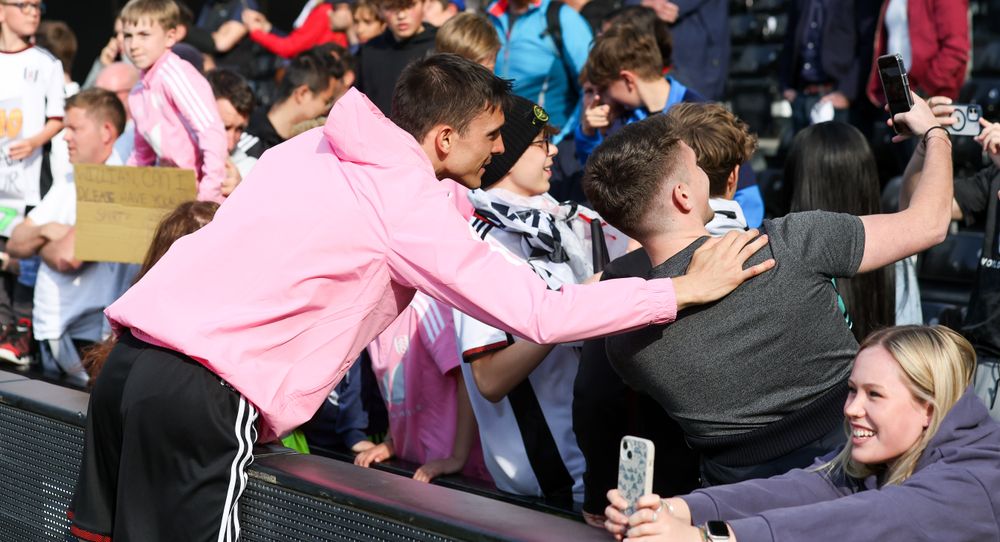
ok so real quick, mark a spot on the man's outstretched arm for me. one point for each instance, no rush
(436, 253)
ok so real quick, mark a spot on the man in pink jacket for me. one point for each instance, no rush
(262, 311)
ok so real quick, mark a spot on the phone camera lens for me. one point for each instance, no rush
(959, 120)
(629, 455)
(625, 446)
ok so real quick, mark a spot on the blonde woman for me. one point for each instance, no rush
(922, 463)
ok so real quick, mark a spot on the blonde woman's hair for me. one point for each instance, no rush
(468, 35)
(938, 365)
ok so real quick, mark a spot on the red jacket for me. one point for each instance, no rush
(939, 45)
(315, 31)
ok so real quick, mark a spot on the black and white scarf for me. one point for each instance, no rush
(545, 228)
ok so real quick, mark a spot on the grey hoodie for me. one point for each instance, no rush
(953, 495)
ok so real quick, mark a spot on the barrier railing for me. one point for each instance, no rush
(290, 497)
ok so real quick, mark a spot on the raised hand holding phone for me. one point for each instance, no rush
(916, 121)
(635, 470)
(895, 86)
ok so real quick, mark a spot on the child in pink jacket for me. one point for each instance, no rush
(176, 120)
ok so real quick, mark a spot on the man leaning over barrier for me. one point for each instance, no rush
(261, 312)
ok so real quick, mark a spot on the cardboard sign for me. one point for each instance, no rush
(119, 207)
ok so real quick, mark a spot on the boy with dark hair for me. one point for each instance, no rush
(176, 122)
(357, 218)
(624, 76)
(235, 100)
(382, 59)
(305, 92)
(757, 381)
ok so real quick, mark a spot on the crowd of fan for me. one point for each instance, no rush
(750, 387)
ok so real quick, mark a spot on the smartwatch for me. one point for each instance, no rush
(716, 531)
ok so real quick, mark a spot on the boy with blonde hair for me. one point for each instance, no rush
(471, 36)
(176, 121)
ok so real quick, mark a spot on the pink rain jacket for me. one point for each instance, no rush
(323, 245)
(177, 124)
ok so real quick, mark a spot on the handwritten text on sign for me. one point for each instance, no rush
(118, 208)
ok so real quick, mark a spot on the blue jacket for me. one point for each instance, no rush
(953, 495)
(701, 45)
(528, 55)
(747, 193)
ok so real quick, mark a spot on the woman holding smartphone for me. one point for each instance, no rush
(922, 462)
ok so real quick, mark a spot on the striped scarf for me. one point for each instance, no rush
(544, 227)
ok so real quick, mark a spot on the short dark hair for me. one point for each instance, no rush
(341, 59)
(59, 39)
(625, 174)
(101, 104)
(311, 69)
(445, 89)
(229, 85)
(719, 139)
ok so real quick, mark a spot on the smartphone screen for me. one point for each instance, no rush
(897, 91)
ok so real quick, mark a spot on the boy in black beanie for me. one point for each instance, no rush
(527, 382)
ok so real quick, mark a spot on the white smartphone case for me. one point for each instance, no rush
(635, 469)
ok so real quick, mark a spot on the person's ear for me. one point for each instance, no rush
(731, 182)
(681, 196)
(928, 414)
(348, 79)
(629, 79)
(441, 139)
(445, 140)
(172, 37)
(107, 133)
(300, 94)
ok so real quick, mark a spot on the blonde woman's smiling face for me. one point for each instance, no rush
(885, 418)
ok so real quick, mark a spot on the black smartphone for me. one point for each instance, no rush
(896, 86)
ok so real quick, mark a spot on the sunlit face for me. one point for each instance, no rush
(83, 137)
(20, 23)
(531, 173)
(405, 23)
(233, 121)
(146, 41)
(471, 151)
(367, 25)
(885, 418)
(436, 14)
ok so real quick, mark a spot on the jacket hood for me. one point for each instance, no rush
(966, 432)
(359, 133)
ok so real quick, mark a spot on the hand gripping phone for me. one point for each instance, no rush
(966, 120)
(896, 87)
(635, 470)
